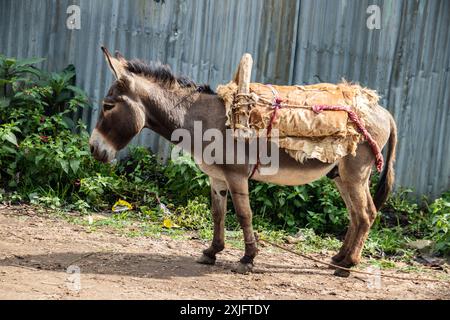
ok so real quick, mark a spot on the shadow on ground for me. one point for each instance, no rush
(159, 266)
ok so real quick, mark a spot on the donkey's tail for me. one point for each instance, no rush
(386, 182)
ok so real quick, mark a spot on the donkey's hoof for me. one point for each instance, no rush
(333, 262)
(342, 273)
(243, 268)
(204, 259)
(337, 258)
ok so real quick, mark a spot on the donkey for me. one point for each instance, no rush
(151, 96)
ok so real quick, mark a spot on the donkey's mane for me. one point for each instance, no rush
(163, 73)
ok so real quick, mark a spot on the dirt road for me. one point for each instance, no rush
(35, 252)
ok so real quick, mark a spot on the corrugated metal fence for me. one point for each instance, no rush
(304, 41)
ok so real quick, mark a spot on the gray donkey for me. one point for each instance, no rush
(151, 96)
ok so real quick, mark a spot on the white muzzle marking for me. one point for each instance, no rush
(102, 145)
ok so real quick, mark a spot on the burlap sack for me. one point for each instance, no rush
(303, 133)
(300, 122)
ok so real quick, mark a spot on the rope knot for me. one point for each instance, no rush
(317, 109)
(277, 102)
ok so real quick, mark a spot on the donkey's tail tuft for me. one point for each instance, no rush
(386, 182)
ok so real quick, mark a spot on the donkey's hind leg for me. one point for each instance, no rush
(349, 235)
(364, 220)
(219, 192)
(353, 185)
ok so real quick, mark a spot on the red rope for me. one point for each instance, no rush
(354, 117)
(276, 104)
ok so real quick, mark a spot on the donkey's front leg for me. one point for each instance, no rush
(219, 193)
(238, 186)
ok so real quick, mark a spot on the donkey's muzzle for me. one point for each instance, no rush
(100, 155)
(101, 150)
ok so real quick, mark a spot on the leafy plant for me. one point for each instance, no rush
(194, 216)
(185, 180)
(13, 73)
(317, 205)
(35, 124)
(440, 221)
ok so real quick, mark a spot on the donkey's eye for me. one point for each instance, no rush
(108, 106)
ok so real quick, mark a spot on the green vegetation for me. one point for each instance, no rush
(45, 161)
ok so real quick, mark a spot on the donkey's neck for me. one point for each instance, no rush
(181, 111)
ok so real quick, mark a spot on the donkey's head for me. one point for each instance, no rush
(143, 95)
(122, 115)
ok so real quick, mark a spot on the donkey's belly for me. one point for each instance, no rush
(288, 172)
(293, 173)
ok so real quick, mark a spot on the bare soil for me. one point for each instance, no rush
(36, 250)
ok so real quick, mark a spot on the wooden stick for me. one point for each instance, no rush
(243, 74)
(242, 79)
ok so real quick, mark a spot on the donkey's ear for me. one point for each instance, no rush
(117, 65)
(120, 57)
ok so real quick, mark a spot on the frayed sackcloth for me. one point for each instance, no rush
(321, 121)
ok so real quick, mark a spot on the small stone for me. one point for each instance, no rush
(243, 268)
(170, 246)
(421, 245)
(433, 262)
(292, 240)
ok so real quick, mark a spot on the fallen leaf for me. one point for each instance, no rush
(121, 206)
(169, 224)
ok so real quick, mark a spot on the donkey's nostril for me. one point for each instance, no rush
(92, 149)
